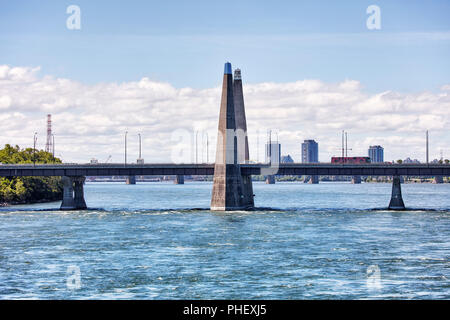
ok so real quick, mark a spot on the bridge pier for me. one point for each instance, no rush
(68, 203)
(356, 179)
(396, 202)
(228, 188)
(179, 179)
(243, 154)
(131, 180)
(248, 199)
(270, 179)
(79, 193)
(314, 180)
(438, 179)
(73, 193)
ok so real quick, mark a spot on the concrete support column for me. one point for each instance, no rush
(356, 179)
(131, 180)
(243, 153)
(248, 200)
(314, 180)
(227, 193)
(270, 179)
(68, 202)
(179, 179)
(396, 202)
(438, 179)
(79, 192)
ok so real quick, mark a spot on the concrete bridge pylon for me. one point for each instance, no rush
(68, 203)
(356, 179)
(130, 180)
(243, 154)
(73, 193)
(228, 187)
(396, 202)
(179, 179)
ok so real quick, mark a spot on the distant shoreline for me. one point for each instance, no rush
(17, 203)
(301, 181)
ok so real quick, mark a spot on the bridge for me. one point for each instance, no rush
(320, 169)
(74, 174)
(232, 170)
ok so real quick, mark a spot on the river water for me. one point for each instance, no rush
(160, 241)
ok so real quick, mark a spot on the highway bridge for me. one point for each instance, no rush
(320, 169)
(74, 175)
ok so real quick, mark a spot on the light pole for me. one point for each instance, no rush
(346, 154)
(203, 146)
(34, 148)
(257, 146)
(207, 146)
(139, 145)
(126, 132)
(196, 151)
(53, 145)
(270, 147)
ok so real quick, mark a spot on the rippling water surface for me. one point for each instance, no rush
(160, 241)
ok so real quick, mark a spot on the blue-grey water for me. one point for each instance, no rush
(160, 241)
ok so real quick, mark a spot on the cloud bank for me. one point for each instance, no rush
(89, 121)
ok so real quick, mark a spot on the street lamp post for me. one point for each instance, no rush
(34, 148)
(196, 146)
(139, 145)
(53, 146)
(126, 132)
(207, 146)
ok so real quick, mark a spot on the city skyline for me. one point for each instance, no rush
(157, 77)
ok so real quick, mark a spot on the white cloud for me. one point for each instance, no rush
(90, 120)
(5, 102)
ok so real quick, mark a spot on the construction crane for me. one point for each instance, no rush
(109, 158)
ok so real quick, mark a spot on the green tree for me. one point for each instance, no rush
(28, 189)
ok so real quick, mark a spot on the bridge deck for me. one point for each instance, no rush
(322, 169)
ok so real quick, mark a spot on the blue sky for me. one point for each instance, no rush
(310, 69)
(186, 42)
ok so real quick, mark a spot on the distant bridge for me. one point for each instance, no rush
(313, 169)
(74, 175)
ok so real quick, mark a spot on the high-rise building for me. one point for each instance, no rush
(376, 154)
(310, 151)
(310, 154)
(273, 154)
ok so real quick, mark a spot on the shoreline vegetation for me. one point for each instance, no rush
(28, 190)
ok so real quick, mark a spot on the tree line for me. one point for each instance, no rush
(17, 190)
